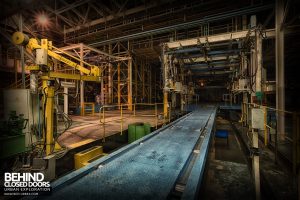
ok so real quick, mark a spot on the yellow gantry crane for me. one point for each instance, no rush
(44, 49)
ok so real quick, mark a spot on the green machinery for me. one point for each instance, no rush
(12, 138)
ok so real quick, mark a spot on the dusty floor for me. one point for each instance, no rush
(90, 128)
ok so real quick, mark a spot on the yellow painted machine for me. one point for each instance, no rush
(45, 53)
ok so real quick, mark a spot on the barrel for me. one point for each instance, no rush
(147, 128)
(137, 131)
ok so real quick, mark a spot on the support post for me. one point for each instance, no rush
(245, 108)
(49, 120)
(181, 102)
(119, 84)
(44, 91)
(22, 61)
(81, 82)
(110, 81)
(258, 51)
(255, 165)
(121, 119)
(280, 86)
(165, 104)
(150, 85)
(143, 79)
(265, 125)
(156, 121)
(129, 86)
(135, 81)
(66, 100)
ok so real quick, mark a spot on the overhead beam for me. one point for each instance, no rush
(78, 46)
(191, 24)
(100, 12)
(71, 6)
(212, 64)
(207, 69)
(212, 87)
(216, 38)
(73, 9)
(213, 58)
(218, 73)
(111, 17)
(211, 55)
(66, 20)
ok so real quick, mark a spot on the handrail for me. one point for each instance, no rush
(19, 83)
(292, 137)
(270, 108)
(120, 107)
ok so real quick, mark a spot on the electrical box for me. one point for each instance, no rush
(257, 118)
(243, 84)
(41, 57)
(178, 87)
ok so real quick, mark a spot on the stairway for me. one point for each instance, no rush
(19, 84)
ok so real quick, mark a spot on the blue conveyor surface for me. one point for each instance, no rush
(145, 169)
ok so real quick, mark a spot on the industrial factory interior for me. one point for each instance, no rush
(149, 99)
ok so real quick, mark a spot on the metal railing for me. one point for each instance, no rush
(286, 142)
(19, 83)
(134, 113)
(88, 108)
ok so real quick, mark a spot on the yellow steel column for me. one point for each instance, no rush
(170, 114)
(110, 78)
(44, 87)
(136, 81)
(165, 104)
(81, 82)
(129, 84)
(103, 117)
(119, 84)
(49, 120)
(143, 79)
(265, 131)
(156, 121)
(121, 119)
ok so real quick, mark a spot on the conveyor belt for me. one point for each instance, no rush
(148, 168)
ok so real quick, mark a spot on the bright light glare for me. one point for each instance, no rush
(42, 20)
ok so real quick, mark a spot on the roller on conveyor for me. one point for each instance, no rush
(152, 167)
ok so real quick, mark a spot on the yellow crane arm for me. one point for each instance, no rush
(20, 38)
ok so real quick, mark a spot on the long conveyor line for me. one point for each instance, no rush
(148, 168)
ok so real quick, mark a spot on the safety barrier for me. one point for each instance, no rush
(88, 108)
(286, 140)
(133, 113)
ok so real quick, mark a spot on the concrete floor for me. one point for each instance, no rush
(88, 128)
(227, 175)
